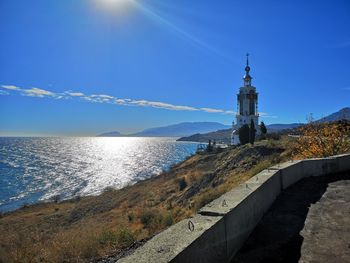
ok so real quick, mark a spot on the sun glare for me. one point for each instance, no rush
(113, 5)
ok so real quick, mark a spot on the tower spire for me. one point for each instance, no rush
(247, 78)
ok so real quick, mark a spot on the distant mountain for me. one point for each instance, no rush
(203, 131)
(182, 129)
(220, 136)
(336, 116)
(110, 134)
(279, 127)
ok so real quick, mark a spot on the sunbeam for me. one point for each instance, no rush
(166, 23)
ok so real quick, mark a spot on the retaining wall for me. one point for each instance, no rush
(220, 228)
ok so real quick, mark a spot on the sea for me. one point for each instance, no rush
(40, 169)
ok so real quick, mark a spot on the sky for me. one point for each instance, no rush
(85, 67)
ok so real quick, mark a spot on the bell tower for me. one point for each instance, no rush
(247, 105)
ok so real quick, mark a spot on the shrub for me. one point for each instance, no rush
(149, 218)
(125, 237)
(168, 220)
(244, 134)
(108, 237)
(182, 184)
(131, 217)
(263, 129)
(209, 147)
(207, 197)
(153, 220)
(323, 139)
(252, 132)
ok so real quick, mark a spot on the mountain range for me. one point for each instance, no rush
(343, 114)
(175, 130)
(208, 128)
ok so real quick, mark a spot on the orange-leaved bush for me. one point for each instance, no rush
(319, 140)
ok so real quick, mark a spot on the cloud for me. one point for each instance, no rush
(120, 101)
(104, 98)
(87, 98)
(210, 110)
(4, 92)
(161, 105)
(266, 115)
(75, 94)
(10, 87)
(346, 88)
(36, 92)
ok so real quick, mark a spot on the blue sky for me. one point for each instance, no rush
(88, 66)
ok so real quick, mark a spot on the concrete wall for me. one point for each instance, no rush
(220, 228)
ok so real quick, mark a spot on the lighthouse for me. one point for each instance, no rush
(247, 105)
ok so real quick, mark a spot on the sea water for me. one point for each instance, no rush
(39, 169)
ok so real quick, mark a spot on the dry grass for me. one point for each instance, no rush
(90, 227)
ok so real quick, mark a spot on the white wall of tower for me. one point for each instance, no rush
(247, 101)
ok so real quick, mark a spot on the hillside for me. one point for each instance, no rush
(220, 136)
(224, 136)
(110, 134)
(85, 228)
(278, 127)
(343, 114)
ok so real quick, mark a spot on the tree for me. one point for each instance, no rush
(209, 147)
(243, 133)
(252, 132)
(322, 139)
(263, 128)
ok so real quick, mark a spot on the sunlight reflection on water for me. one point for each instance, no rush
(33, 169)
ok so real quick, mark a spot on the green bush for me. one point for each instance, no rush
(125, 237)
(244, 134)
(154, 220)
(108, 237)
(120, 238)
(168, 220)
(148, 218)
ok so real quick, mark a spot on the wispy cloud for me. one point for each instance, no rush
(75, 94)
(346, 88)
(105, 98)
(36, 92)
(4, 92)
(212, 110)
(10, 87)
(266, 115)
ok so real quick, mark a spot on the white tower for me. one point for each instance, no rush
(247, 106)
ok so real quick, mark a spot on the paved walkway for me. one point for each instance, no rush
(281, 236)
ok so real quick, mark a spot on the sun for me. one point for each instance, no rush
(113, 4)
